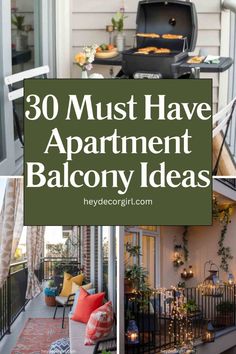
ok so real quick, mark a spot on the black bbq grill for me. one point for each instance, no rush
(175, 17)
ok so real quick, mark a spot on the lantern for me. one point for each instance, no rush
(187, 274)
(230, 279)
(211, 285)
(209, 334)
(133, 333)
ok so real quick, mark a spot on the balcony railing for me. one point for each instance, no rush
(161, 327)
(12, 294)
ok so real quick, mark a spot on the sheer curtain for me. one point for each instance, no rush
(34, 247)
(11, 224)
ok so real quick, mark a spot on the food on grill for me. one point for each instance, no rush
(106, 51)
(195, 60)
(155, 50)
(148, 35)
(172, 36)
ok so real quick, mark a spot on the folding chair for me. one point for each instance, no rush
(16, 93)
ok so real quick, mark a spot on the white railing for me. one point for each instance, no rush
(222, 118)
(224, 123)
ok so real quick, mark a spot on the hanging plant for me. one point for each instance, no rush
(185, 243)
(223, 214)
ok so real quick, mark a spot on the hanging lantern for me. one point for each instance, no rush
(211, 286)
(230, 279)
(209, 334)
(132, 333)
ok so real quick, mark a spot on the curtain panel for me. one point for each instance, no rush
(34, 247)
(11, 224)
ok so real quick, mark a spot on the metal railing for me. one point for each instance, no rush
(12, 294)
(160, 327)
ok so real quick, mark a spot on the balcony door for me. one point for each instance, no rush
(26, 37)
(149, 243)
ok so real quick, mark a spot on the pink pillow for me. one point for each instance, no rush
(86, 304)
(100, 324)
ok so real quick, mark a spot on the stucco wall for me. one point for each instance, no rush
(203, 246)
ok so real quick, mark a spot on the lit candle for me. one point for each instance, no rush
(133, 337)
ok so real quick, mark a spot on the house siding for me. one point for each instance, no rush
(89, 19)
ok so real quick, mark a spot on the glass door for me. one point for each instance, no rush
(149, 258)
(27, 40)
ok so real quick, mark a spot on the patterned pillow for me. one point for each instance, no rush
(100, 324)
(61, 346)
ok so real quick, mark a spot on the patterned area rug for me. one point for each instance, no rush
(38, 334)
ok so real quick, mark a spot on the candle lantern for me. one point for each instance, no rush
(133, 333)
(230, 279)
(187, 274)
(212, 285)
(209, 334)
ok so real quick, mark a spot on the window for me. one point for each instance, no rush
(148, 240)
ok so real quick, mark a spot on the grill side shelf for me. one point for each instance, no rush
(225, 64)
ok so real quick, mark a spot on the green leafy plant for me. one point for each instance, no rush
(18, 21)
(51, 283)
(225, 307)
(118, 21)
(190, 306)
(223, 214)
(185, 243)
(138, 275)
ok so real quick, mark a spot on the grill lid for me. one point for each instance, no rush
(167, 17)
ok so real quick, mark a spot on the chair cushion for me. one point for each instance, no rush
(90, 291)
(100, 324)
(75, 287)
(86, 304)
(67, 283)
(60, 346)
(61, 299)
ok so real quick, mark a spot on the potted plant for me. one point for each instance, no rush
(50, 293)
(135, 275)
(22, 31)
(225, 312)
(118, 24)
(190, 307)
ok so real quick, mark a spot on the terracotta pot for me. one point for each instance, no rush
(50, 300)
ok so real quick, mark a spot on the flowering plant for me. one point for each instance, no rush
(85, 58)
